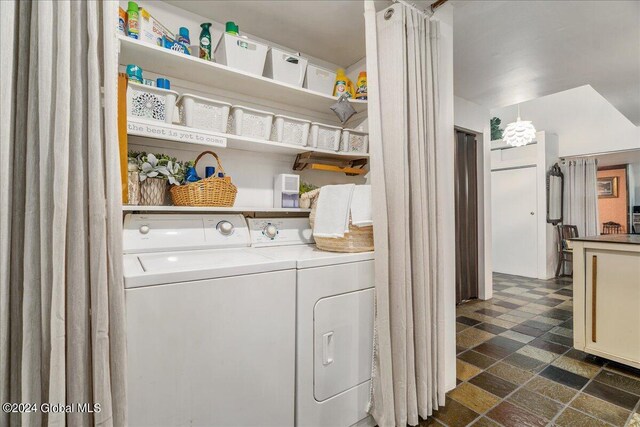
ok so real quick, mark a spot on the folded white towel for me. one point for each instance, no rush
(361, 213)
(332, 211)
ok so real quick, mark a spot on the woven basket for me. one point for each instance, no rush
(210, 191)
(358, 239)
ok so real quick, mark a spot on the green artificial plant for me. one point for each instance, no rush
(496, 132)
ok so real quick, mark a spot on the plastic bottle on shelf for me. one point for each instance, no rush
(134, 73)
(183, 36)
(133, 20)
(343, 85)
(361, 86)
(163, 83)
(205, 42)
(232, 28)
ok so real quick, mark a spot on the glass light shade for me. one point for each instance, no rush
(519, 133)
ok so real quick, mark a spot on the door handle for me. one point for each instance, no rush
(532, 213)
(327, 348)
(594, 295)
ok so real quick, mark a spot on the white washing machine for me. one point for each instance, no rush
(210, 324)
(334, 323)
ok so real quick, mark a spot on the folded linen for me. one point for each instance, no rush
(332, 211)
(361, 212)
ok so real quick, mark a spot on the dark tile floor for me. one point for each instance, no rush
(516, 365)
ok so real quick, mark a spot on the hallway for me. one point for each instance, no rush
(516, 365)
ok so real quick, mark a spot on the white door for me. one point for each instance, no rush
(514, 221)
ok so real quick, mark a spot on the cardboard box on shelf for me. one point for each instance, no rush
(151, 30)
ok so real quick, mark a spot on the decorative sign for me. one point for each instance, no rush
(174, 133)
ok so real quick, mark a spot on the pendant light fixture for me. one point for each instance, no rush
(519, 133)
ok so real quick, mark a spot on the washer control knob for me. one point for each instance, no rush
(144, 229)
(225, 228)
(270, 231)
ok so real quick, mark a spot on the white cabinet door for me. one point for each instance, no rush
(613, 303)
(514, 223)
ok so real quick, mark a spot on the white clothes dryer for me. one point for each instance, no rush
(334, 323)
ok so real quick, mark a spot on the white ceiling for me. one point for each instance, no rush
(504, 51)
(507, 52)
(329, 30)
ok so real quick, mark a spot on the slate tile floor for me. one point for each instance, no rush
(516, 365)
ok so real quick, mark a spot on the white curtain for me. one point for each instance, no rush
(61, 290)
(402, 52)
(581, 195)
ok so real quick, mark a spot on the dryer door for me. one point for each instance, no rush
(343, 342)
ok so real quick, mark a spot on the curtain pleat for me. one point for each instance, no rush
(62, 297)
(401, 62)
(581, 195)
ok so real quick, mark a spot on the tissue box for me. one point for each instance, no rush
(151, 30)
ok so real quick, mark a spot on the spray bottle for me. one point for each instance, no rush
(133, 20)
(205, 42)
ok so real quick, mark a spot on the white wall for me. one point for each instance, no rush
(584, 121)
(445, 196)
(473, 117)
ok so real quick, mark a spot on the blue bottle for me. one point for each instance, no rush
(192, 175)
(183, 36)
(134, 73)
(163, 83)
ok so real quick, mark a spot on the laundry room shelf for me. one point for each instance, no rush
(168, 134)
(178, 65)
(132, 208)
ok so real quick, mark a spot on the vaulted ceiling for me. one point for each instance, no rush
(512, 51)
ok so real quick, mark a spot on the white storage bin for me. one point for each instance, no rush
(150, 102)
(203, 113)
(290, 130)
(285, 67)
(325, 137)
(240, 53)
(354, 141)
(320, 79)
(249, 122)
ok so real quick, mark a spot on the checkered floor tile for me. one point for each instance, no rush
(516, 365)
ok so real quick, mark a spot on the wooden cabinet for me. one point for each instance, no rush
(611, 307)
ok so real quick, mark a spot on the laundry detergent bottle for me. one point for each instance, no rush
(361, 86)
(343, 85)
(205, 42)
